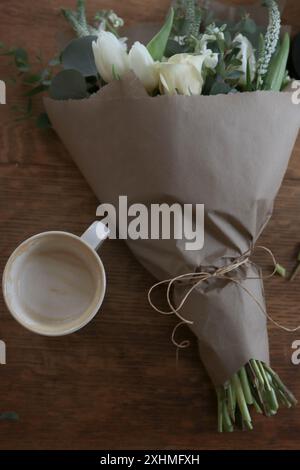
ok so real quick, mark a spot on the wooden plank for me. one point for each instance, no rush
(115, 384)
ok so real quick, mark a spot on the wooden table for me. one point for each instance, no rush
(114, 384)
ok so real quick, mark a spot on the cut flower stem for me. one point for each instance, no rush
(255, 384)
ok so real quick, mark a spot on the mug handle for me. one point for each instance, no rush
(95, 235)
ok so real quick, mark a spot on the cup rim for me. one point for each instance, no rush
(89, 317)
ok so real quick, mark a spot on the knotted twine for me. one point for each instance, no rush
(195, 279)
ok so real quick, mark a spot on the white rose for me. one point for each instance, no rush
(183, 73)
(110, 56)
(144, 67)
(246, 54)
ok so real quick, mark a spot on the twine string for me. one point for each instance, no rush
(197, 278)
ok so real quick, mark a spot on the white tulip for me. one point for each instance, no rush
(110, 56)
(144, 67)
(180, 78)
(246, 54)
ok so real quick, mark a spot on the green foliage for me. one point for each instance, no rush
(158, 44)
(270, 43)
(68, 84)
(277, 70)
(33, 73)
(108, 20)
(78, 55)
(187, 18)
(186, 27)
(189, 28)
(104, 19)
(78, 21)
(220, 87)
(36, 75)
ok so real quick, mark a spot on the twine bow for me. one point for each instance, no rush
(197, 278)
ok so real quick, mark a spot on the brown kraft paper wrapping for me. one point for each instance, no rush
(229, 152)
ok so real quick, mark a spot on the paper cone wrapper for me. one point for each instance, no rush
(228, 152)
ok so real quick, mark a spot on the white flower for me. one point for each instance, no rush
(214, 35)
(183, 73)
(180, 78)
(144, 67)
(210, 59)
(271, 40)
(116, 21)
(110, 56)
(207, 59)
(246, 54)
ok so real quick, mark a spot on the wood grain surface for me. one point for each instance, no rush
(114, 384)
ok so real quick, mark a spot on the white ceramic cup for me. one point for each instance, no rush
(54, 282)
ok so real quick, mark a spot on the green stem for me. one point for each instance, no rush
(228, 427)
(245, 384)
(283, 399)
(281, 385)
(257, 372)
(269, 391)
(220, 409)
(241, 399)
(231, 401)
(257, 407)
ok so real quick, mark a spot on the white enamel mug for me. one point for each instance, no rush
(54, 283)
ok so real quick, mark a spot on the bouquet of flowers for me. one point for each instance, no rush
(197, 114)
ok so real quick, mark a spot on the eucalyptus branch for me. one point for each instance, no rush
(78, 20)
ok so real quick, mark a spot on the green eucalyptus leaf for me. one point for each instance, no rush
(78, 55)
(221, 45)
(21, 55)
(236, 62)
(219, 88)
(158, 44)
(68, 84)
(234, 74)
(21, 59)
(9, 52)
(249, 26)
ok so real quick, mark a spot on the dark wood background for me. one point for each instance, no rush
(114, 384)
